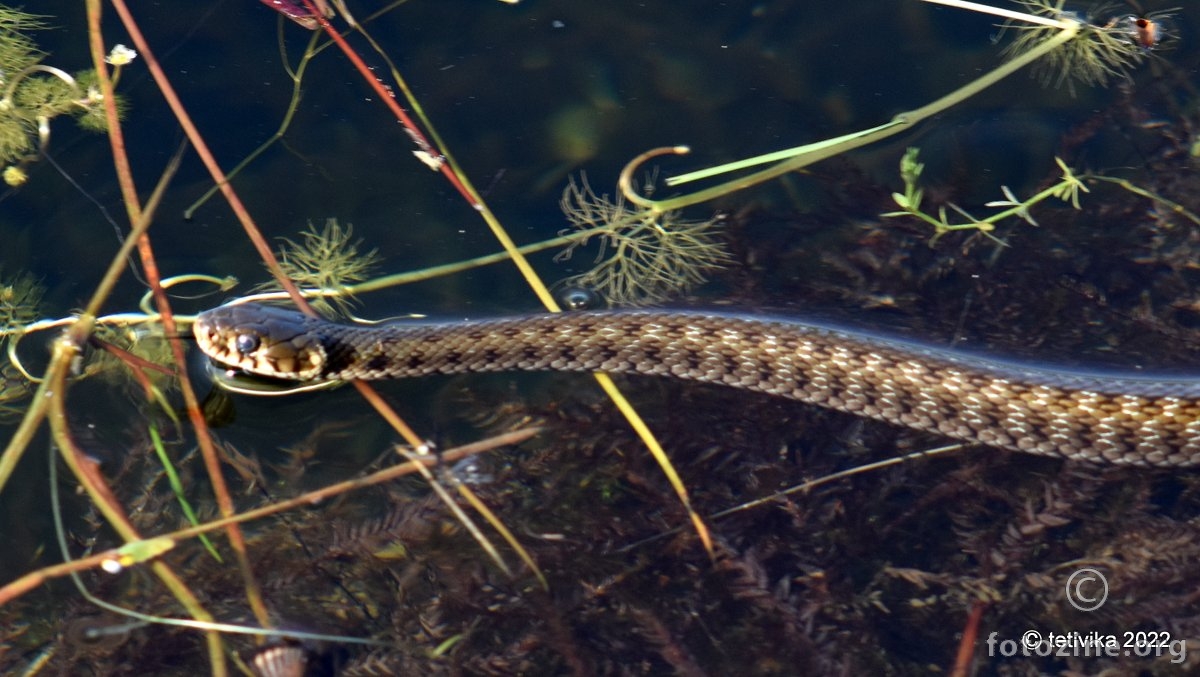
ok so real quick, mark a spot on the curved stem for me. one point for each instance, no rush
(807, 155)
(36, 68)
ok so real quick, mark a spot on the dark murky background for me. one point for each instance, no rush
(525, 96)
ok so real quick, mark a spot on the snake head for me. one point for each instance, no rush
(262, 340)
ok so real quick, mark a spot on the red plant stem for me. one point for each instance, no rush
(966, 645)
(206, 156)
(389, 100)
(243, 215)
(32, 580)
(212, 463)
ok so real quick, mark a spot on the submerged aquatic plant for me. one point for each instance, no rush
(132, 354)
(1066, 189)
(1102, 49)
(14, 389)
(19, 300)
(326, 258)
(646, 256)
(32, 94)
(1073, 46)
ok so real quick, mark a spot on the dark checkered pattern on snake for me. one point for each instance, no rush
(1103, 418)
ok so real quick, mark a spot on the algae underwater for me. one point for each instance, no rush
(878, 571)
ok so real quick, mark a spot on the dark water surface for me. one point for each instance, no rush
(877, 574)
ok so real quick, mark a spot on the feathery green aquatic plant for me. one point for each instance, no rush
(19, 300)
(326, 258)
(1098, 52)
(645, 256)
(32, 93)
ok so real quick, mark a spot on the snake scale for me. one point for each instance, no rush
(1104, 418)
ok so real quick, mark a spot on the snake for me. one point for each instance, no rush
(1098, 417)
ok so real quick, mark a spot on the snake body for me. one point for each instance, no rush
(1104, 418)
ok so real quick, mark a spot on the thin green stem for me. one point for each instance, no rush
(477, 262)
(816, 152)
(410, 277)
(293, 105)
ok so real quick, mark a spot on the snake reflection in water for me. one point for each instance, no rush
(1104, 418)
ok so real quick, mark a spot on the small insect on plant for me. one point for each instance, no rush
(1154, 30)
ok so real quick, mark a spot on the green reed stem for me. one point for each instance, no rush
(802, 156)
(431, 272)
(293, 105)
(34, 415)
(177, 487)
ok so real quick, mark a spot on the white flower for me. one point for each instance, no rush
(120, 56)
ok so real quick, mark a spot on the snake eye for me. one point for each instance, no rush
(246, 343)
